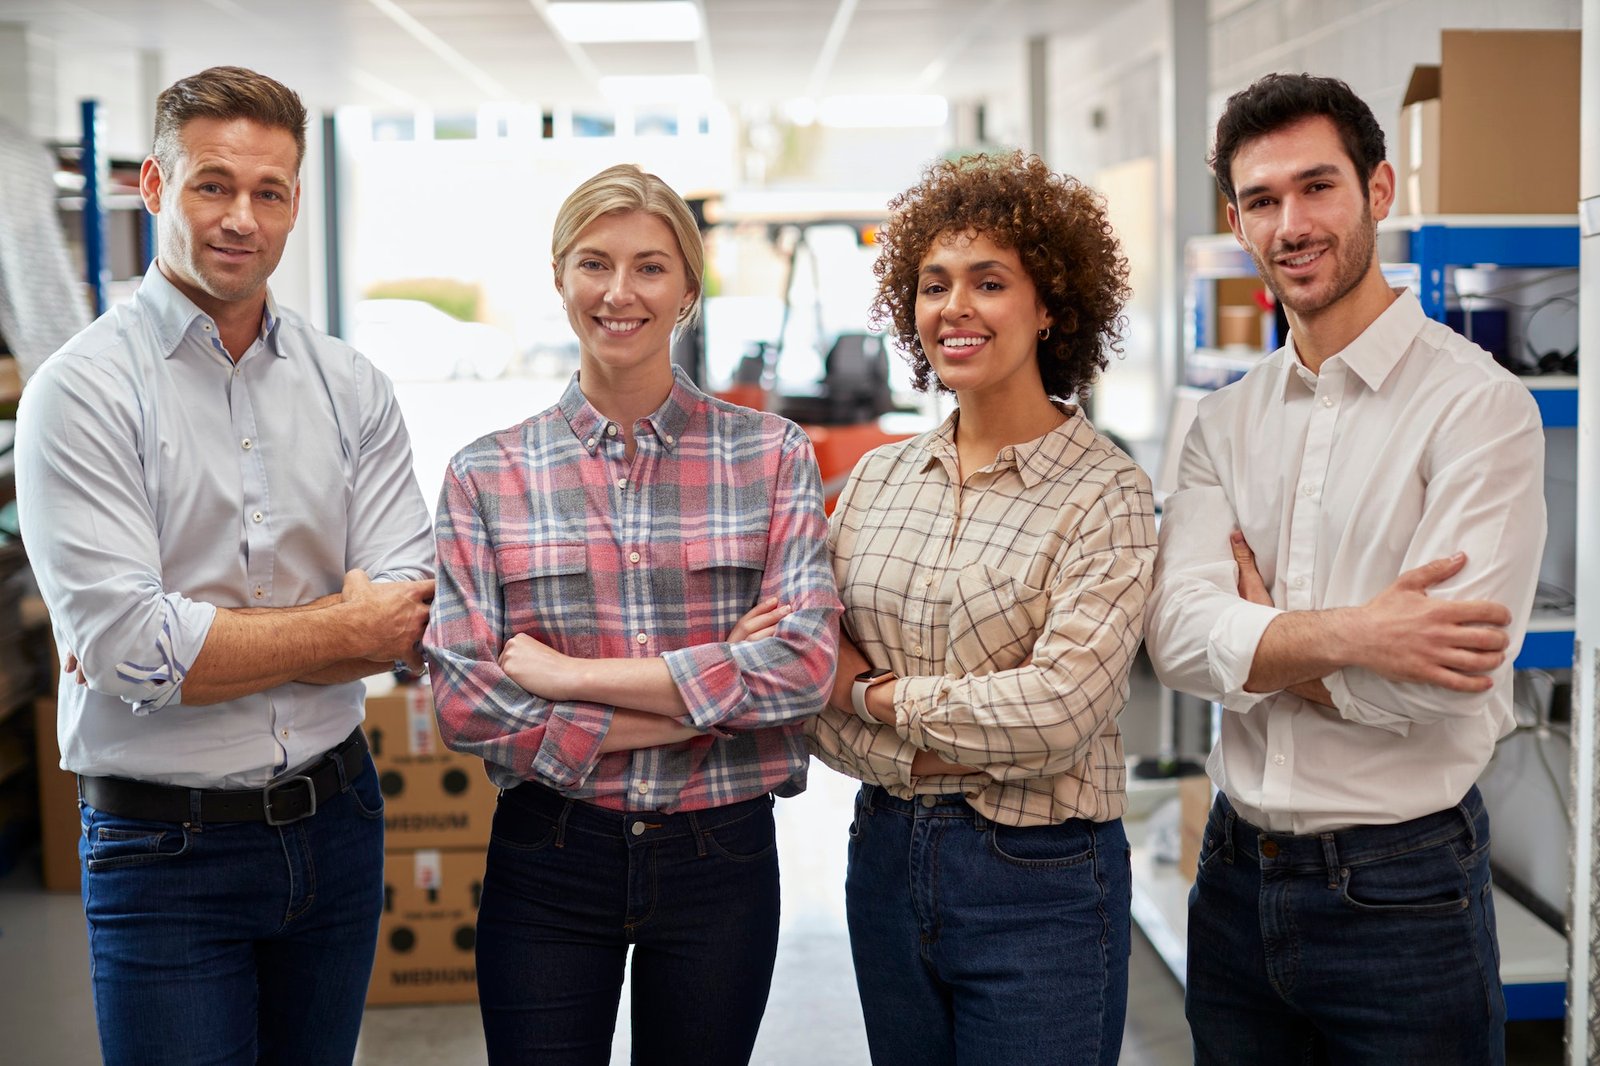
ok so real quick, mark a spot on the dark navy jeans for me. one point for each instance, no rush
(234, 942)
(982, 943)
(571, 886)
(1370, 946)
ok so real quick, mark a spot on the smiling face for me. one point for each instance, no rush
(224, 207)
(625, 285)
(978, 318)
(1305, 215)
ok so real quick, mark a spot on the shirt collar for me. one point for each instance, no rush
(1374, 354)
(174, 314)
(1035, 460)
(668, 422)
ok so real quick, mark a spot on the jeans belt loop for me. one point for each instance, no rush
(1330, 854)
(196, 807)
(561, 823)
(1228, 819)
(979, 822)
(867, 792)
(1471, 824)
(699, 835)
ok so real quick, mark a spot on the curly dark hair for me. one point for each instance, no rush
(1274, 101)
(1058, 228)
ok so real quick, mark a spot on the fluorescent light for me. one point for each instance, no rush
(613, 22)
(656, 89)
(882, 112)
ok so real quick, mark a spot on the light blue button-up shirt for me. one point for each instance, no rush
(157, 481)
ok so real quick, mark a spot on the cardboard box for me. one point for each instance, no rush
(59, 823)
(1493, 129)
(428, 930)
(1194, 806)
(433, 797)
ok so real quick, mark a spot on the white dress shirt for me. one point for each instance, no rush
(1410, 445)
(158, 481)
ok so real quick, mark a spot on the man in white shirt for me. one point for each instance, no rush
(1347, 566)
(219, 505)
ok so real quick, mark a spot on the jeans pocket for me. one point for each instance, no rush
(115, 843)
(1422, 883)
(746, 839)
(1041, 846)
(515, 826)
(368, 796)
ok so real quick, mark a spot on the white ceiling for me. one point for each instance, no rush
(458, 53)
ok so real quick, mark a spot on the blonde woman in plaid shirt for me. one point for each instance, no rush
(994, 574)
(587, 641)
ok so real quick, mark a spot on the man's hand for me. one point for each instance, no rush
(396, 614)
(1405, 635)
(760, 622)
(539, 668)
(1251, 587)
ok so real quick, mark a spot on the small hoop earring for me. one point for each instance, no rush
(1044, 334)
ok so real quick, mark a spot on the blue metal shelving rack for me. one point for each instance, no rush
(95, 165)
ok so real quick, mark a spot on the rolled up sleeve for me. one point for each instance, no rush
(92, 539)
(480, 709)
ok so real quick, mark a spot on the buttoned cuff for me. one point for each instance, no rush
(1353, 708)
(1231, 652)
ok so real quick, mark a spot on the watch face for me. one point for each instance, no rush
(873, 674)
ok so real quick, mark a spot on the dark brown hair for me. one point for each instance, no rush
(1278, 100)
(1059, 230)
(226, 93)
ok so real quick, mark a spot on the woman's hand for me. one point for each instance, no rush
(760, 622)
(539, 668)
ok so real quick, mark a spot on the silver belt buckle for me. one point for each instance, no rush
(268, 792)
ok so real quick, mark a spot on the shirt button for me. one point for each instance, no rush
(611, 431)
(1327, 401)
(638, 829)
(1299, 582)
(1278, 759)
(622, 482)
(667, 438)
(641, 638)
(258, 516)
(929, 801)
(643, 787)
(917, 649)
(1309, 490)
(260, 592)
(286, 733)
(245, 444)
(927, 579)
(206, 327)
(633, 557)
(589, 443)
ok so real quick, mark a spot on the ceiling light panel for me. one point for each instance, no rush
(619, 21)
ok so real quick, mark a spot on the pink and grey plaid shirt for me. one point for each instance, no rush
(546, 528)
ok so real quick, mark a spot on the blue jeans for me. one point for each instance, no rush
(982, 943)
(1371, 945)
(234, 942)
(570, 886)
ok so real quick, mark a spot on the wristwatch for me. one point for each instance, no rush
(877, 675)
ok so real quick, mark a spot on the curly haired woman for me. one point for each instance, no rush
(994, 574)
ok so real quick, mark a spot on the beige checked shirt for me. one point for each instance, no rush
(1047, 552)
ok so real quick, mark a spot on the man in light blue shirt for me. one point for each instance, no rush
(219, 505)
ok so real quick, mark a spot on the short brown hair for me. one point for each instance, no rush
(628, 187)
(1059, 230)
(227, 93)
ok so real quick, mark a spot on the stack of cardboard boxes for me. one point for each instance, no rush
(437, 808)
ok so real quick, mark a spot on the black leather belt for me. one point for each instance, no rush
(288, 799)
